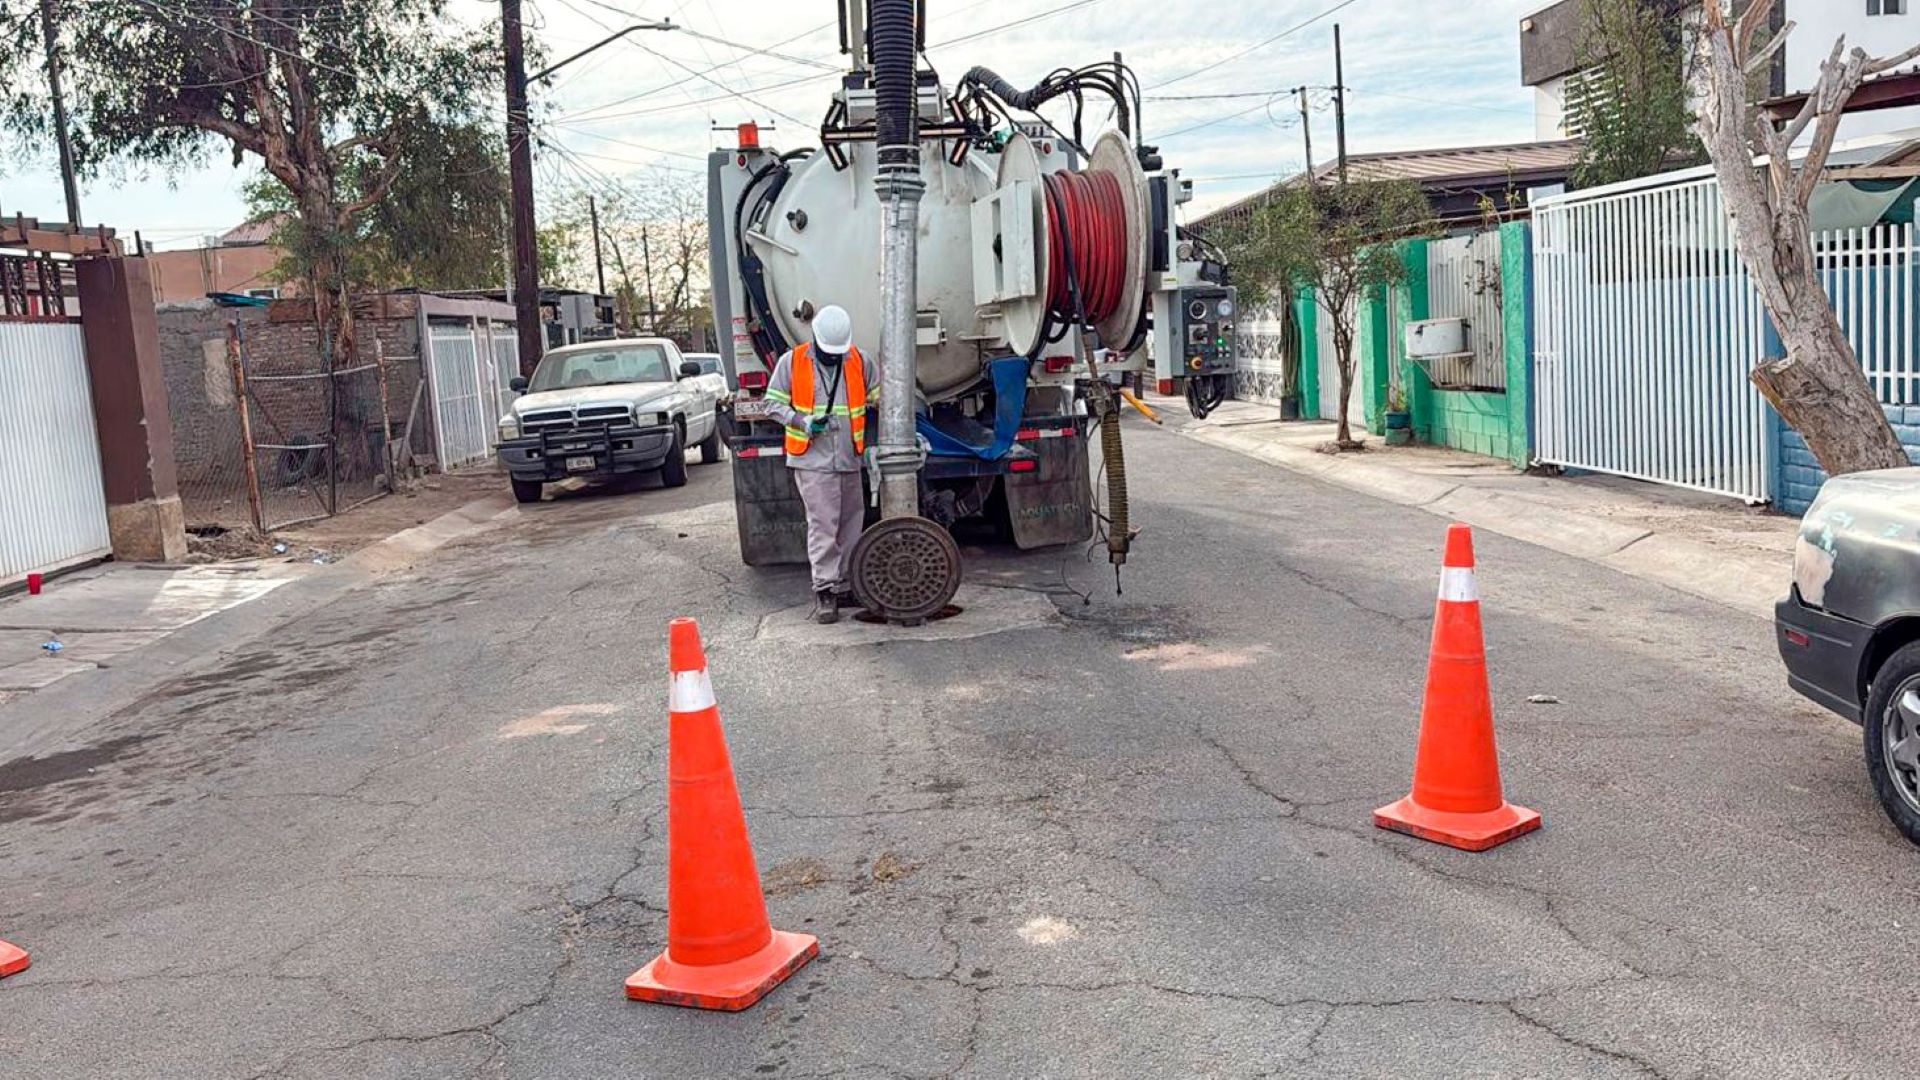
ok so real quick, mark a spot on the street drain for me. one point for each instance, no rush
(946, 612)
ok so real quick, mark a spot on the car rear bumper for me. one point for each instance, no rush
(1822, 653)
(614, 451)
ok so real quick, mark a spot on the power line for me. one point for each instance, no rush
(1217, 64)
(1049, 13)
(624, 142)
(1267, 104)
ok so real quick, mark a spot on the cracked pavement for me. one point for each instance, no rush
(419, 830)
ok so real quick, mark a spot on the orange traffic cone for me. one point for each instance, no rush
(721, 952)
(13, 959)
(1456, 797)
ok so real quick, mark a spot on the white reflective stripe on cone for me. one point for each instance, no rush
(1456, 583)
(691, 691)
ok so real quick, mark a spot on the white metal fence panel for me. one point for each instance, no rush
(1329, 362)
(463, 395)
(53, 509)
(1869, 274)
(1648, 323)
(506, 363)
(1463, 282)
(1646, 327)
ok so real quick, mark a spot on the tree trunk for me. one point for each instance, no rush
(1343, 355)
(1819, 387)
(1820, 392)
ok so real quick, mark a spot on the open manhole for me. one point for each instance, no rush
(947, 612)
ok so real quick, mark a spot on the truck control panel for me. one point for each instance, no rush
(1208, 317)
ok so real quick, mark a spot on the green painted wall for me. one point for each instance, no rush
(1516, 310)
(1304, 309)
(1411, 306)
(1470, 420)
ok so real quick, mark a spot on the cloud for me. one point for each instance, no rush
(651, 100)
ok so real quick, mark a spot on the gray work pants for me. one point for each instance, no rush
(835, 512)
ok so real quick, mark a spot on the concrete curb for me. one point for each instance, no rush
(1746, 583)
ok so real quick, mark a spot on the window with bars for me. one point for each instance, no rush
(1886, 7)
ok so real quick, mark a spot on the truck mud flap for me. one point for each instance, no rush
(1054, 503)
(771, 519)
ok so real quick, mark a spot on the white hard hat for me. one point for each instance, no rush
(832, 329)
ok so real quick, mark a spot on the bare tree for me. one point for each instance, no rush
(1818, 387)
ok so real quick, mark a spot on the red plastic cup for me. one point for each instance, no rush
(33, 584)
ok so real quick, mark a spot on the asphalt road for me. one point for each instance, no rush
(419, 831)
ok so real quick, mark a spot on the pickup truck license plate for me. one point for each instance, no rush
(580, 464)
(750, 409)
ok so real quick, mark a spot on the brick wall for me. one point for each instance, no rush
(193, 356)
(1801, 475)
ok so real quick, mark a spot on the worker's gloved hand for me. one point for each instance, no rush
(817, 425)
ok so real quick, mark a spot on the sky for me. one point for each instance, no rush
(652, 100)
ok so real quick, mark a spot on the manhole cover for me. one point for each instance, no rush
(905, 569)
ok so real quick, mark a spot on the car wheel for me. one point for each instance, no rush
(673, 471)
(710, 448)
(1892, 737)
(526, 491)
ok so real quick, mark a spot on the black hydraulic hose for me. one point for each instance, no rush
(1204, 394)
(891, 35)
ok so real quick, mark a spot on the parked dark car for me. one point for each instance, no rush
(1850, 629)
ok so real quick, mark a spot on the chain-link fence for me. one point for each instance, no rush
(283, 439)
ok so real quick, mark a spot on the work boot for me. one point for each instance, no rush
(826, 607)
(843, 597)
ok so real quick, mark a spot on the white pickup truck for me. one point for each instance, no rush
(606, 408)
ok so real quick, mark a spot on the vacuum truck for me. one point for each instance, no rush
(1012, 273)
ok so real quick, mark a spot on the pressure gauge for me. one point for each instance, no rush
(1197, 309)
(1225, 309)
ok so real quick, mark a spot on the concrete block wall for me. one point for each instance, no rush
(1800, 473)
(1471, 420)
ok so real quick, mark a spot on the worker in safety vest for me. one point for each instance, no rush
(822, 393)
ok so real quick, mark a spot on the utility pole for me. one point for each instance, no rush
(526, 257)
(1306, 130)
(60, 114)
(646, 267)
(1339, 106)
(599, 269)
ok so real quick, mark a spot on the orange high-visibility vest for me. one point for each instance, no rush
(855, 410)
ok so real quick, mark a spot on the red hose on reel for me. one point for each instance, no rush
(1094, 210)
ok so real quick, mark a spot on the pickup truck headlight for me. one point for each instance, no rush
(650, 419)
(509, 427)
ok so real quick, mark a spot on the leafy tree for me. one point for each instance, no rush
(1336, 239)
(336, 100)
(655, 224)
(440, 225)
(1629, 102)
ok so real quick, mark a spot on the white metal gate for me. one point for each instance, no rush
(1647, 325)
(1463, 282)
(1329, 362)
(465, 394)
(53, 510)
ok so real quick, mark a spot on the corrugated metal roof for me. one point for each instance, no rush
(1459, 163)
(257, 231)
(1440, 168)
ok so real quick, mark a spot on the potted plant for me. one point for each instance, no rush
(1399, 420)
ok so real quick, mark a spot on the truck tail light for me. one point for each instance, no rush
(1054, 365)
(1023, 465)
(753, 380)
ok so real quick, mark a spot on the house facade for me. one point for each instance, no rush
(1552, 58)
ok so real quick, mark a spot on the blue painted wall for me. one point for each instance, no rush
(1801, 475)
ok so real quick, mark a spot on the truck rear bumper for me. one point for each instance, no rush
(553, 456)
